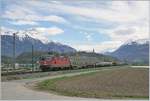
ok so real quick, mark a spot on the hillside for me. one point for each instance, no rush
(24, 41)
(6, 59)
(26, 57)
(133, 52)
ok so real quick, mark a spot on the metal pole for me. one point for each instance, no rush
(32, 58)
(14, 59)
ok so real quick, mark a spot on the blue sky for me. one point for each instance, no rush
(84, 25)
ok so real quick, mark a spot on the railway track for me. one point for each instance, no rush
(21, 72)
(18, 72)
(24, 72)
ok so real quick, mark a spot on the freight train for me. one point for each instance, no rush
(64, 62)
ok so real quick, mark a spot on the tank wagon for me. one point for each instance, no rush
(63, 62)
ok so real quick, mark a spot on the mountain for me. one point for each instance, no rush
(26, 57)
(24, 41)
(6, 60)
(133, 52)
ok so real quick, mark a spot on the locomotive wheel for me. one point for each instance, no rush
(44, 69)
(71, 67)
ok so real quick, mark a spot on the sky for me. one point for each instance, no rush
(81, 24)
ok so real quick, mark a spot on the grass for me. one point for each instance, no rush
(113, 83)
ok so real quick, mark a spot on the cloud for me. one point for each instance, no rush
(23, 22)
(116, 11)
(132, 18)
(50, 31)
(98, 47)
(54, 18)
(125, 33)
(20, 15)
(88, 36)
(27, 15)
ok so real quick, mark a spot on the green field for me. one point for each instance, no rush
(111, 83)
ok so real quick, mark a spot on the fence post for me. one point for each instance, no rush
(14, 51)
(32, 58)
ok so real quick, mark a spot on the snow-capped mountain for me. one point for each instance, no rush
(139, 42)
(136, 51)
(22, 34)
(24, 41)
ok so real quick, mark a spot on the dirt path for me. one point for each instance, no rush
(16, 90)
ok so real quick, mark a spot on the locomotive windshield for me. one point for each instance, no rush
(45, 58)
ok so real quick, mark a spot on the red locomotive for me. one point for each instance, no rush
(54, 63)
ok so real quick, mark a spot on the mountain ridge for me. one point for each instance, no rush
(133, 52)
(24, 44)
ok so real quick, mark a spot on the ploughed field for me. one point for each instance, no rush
(111, 83)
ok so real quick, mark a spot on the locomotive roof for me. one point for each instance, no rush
(50, 56)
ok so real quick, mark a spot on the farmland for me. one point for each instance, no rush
(112, 83)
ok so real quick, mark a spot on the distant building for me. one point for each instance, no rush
(93, 50)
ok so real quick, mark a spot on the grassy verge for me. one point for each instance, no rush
(114, 83)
